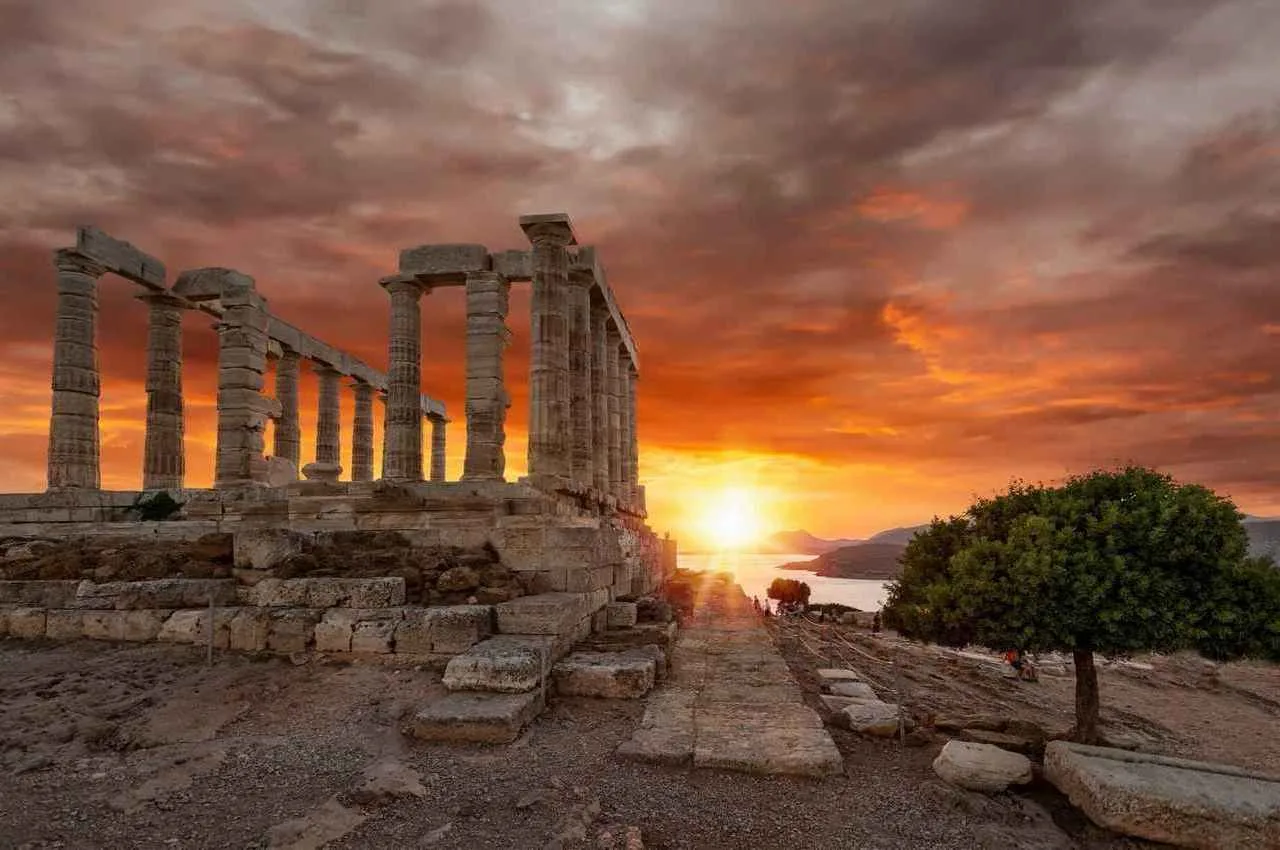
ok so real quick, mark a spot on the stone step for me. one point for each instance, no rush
(609, 675)
(473, 717)
(503, 664)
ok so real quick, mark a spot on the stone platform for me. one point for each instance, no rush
(1176, 801)
(730, 701)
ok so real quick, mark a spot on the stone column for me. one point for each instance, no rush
(163, 462)
(327, 465)
(549, 460)
(600, 397)
(402, 440)
(614, 379)
(288, 435)
(242, 410)
(382, 399)
(437, 447)
(487, 400)
(632, 450)
(362, 433)
(625, 426)
(581, 410)
(73, 425)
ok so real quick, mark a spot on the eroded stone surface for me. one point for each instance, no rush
(604, 674)
(501, 664)
(468, 716)
(981, 767)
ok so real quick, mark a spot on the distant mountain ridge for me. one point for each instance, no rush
(800, 542)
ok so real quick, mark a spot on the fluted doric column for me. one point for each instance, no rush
(163, 462)
(600, 397)
(487, 399)
(288, 433)
(581, 410)
(402, 441)
(362, 433)
(438, 424)
(549, 460)
(613, 378)
(625, 426)
(73, 425)
(632, 450)
(328, 427)
(382, 399)
(242, 360)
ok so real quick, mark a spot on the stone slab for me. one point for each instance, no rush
(444, 264)
(39, 594)
(502, 664)
(1176, 801)
(831, 674)
(120, 257)
(981, 767)
(542, 614)
(26, 622)
(476, 717)
(604, 675)
(170, 593)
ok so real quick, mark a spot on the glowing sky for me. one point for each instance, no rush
(878, 256)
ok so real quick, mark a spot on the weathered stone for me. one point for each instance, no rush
(179, 627)
(444, 264)
(292, 630)
(373, 636)
(981, 767)
(39, 594)
(542, 614)
(829, 675)
(606, 675)
(456, 628)
(333, 633)
(501, 664)
(63, 624)
(861, 690)
(468, 716)
(872, 718)
(26, 622)
(120, 257)
(457, 579)
(650, 610)
(281, 472)
(249, 630)
(1176, 801)
(413, 632)
(621, 615)
(837, 704)
(169, 593)
(262, 549)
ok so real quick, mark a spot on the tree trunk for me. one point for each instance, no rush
(1086, 731)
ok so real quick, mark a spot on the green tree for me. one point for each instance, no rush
(1111, 562)
(789, 591)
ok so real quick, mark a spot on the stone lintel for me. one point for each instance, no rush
(120, 257)
(513, 265)
(211, 284)
(587, 259)
(557, 221)
(444, 265)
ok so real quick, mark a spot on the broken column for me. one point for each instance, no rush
(242, 360)
(328, 427)
(614, 379)
(487, 400)
(362, 432)
(437, 446)
(163, 462)
(600, 397)
(73, 426)
(549, 461)
(288, 433)
(402, 441)
(581, 409)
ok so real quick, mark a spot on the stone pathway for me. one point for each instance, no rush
(730, 701)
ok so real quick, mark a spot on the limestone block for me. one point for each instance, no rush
(120, 257)
(458, 579)
(374, 592)
(142, 625)
(333, 632)
(591, 578)
(161, 593)
(861, 690)
(501, 664)
(472, 717)
(249, 630)
(38, 594)
(26, 622)
(262, 549)
(546, 613)
(292, 630)
(61, 624)
(837, 704)
(281, 472)
(456, 628)
(1176, 801)
(373, 636)
(872, 718)
(276, 593)
(604, 674)
(444, 263)
(981, 767)
(413, 633)
(513, 265)
(621, 615)
(189, 627)
(829, 675)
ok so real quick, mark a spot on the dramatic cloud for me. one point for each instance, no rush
(878, 256)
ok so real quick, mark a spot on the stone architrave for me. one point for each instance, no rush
(581, 409)
(438, 424)
(164, 461)
(549, 424)
(328, 427)
(487, 399)
(242, 361)
(73, 425)
(614, 380)
(600, 397)
(632, 450)
(362, 432)
(288, 433)
(402, 441)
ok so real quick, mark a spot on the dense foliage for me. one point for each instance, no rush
(789, 591)
(1112, 562)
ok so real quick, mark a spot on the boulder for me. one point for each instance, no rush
(1176, 801)
(981, 767)
(872, 718)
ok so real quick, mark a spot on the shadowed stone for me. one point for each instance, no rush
(605, 675)
(476, 717)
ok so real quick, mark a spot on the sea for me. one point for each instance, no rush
(754, 573)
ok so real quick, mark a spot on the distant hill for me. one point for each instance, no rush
(801, 543)
(862, 560)
(901, 535)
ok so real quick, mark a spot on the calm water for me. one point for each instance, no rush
(755, 572)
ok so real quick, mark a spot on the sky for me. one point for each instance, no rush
(878, 257)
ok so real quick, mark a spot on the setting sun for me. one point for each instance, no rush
(731, 521)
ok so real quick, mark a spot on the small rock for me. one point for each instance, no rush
(981, 767)
(872, 718)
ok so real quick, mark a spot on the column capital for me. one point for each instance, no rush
(324, 369)
(162, 299)
(551, 229)
(404, 284)
(71, 260)
(361, 385)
